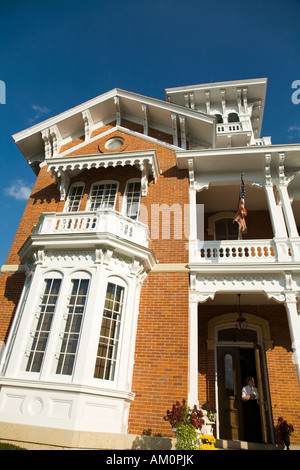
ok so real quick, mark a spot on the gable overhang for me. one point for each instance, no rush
(116, 106)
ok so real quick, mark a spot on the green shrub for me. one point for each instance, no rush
(186, 437)
(6, 446)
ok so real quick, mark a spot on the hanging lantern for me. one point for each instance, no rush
(241, 322)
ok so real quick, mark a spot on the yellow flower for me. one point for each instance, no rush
(207, 447)
(208, 439)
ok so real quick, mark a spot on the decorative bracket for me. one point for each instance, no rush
(117, 102)
(182, 131)
(56, 140)
(47, 143)
(268, 169)
(175, 130)
(145, 118)
(88, 124)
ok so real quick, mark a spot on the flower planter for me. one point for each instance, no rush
(189, 425)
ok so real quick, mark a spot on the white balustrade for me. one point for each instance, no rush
(103, 221)
(233, 251)
(229, 127)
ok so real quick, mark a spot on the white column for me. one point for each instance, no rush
(276, 215)
(193, 215)
(288, 211)
(294, 327)
(193, 354)
(278, 224)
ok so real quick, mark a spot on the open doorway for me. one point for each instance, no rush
(236, 362)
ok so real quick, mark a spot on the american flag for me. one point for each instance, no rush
(241, 211)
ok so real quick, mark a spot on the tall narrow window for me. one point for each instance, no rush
(103, 196)
(74, 198)
(70, 337)
(229, 378)
(132, 201)
(106, 360)
(43, 325)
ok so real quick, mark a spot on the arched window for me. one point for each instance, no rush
(74, 197)
(233, 117)
(219, 118)
(226, 229)
(103, 195)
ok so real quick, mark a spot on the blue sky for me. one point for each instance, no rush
(58, 54)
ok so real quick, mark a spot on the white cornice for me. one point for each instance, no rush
(238, 151)
(210, 86)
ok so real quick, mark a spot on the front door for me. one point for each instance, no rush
(229, 387)
(236, 420)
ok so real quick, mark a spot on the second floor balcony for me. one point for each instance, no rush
(101, 222)
(273, 211)
(104, 229)
(241, 252)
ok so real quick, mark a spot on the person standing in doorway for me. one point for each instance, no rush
(252, 422)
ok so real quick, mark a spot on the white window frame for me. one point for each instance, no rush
(53, 275)
(110, 383)
(103, 182)
(77, 275)
(125, 199)
(68, 201)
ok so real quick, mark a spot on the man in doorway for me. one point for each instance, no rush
(252, 423)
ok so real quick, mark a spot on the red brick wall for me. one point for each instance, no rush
(160, 375)
(11, 286)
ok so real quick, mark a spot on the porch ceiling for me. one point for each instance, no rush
(225, 197)
(257, 298)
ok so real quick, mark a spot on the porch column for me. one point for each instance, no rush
(193, 354)
(288, 211)
(277, 218)
(290, 221)
(294, 326)
(278, 223)
(193, 215)
(285, 199)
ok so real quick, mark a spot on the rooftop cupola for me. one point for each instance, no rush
(237, 106)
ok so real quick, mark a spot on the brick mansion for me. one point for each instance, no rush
(129, 286)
